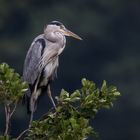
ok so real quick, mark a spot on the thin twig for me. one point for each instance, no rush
(7, 115)
(13, 109)
(5, 133)
(21, 134)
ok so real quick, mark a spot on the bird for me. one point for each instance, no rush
(41, 63)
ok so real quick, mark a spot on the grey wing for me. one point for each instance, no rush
(32, 60)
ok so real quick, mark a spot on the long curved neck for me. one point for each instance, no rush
(50, 36)
(55, 38)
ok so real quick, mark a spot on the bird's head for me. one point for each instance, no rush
(57, 26)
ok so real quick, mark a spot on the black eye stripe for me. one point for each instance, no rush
(57, 23)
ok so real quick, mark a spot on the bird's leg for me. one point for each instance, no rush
(31, 118)
(50, 96)
(33, 99)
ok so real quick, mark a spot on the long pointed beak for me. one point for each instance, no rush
(66, 32)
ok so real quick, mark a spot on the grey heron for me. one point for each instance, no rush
(41, 62)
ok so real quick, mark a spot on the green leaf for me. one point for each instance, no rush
(103, 88)
(64, 94)
(84, 82)
(75, 94)
(117, 93)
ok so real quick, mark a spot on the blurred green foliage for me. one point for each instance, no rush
(12, 87)
(4, 138)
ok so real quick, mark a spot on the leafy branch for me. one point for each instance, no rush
(11, 91)
(73, 114)
(71, 120)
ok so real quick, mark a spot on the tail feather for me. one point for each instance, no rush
(28, 105)
(26, 101)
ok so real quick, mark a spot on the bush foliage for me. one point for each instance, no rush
(11, 86)
(73, 114)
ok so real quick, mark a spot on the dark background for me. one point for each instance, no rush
(110, 50)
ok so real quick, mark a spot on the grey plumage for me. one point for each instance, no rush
(33, 59)
(41, 62)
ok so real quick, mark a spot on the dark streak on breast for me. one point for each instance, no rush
(43, 43)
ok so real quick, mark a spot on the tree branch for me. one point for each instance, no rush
(7, 115)
(13, 109)
(22, 133)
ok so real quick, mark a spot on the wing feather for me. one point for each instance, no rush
(32, 60)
